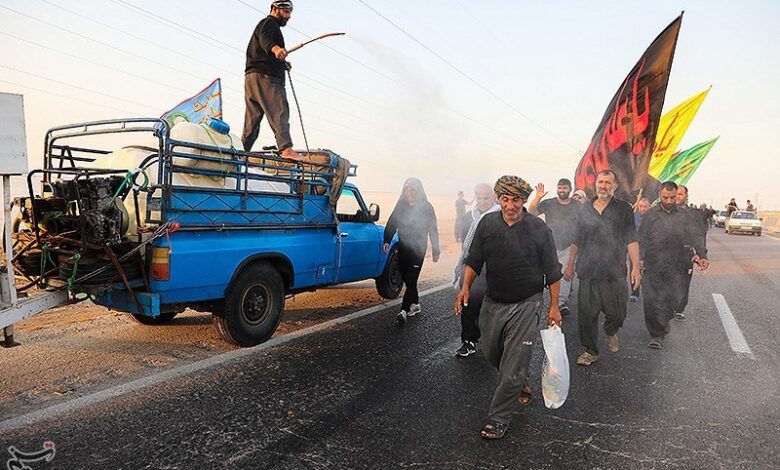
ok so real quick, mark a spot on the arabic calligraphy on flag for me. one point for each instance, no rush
(683, 164)
(671, 131)
(198, 108)
(624, 139)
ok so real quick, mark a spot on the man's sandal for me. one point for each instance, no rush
(525, 396)
(494, 430)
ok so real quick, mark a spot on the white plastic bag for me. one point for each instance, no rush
(555, 369)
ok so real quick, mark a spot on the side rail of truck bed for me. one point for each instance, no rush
(228, 188)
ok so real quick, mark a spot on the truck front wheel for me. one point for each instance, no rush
(253, 306)
(389, 284)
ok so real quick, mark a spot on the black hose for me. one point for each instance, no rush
(300, 116)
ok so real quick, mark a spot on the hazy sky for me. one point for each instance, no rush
(485, 88)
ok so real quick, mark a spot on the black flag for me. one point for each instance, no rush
(624, 140)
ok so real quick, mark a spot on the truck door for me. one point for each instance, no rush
(360, 240)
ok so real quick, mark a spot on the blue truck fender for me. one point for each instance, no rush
(279, 261)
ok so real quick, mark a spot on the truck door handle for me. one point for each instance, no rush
(344, 234)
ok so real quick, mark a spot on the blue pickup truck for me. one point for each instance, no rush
(153, 229)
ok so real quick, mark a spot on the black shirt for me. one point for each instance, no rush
(700, 228)
(259, 58)
(562, 219)
(602, 238)
(666, 239)
(460, 208)
(414, 225)
(520, 259)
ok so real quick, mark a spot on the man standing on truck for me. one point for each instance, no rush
(264, 82)
(518, 251)
(415, 220)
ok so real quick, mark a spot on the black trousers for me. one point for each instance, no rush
(593, 297)
(265, 96)
(469, 316)
(687, 275)
(662, 293)
(410, 261)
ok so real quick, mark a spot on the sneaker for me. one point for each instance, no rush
(587, 359)
(401, 317)
(564, 310)
(633, 299)
(679, 316)
(414, 309)
(613, 343)
(655, 343)
(466, 349)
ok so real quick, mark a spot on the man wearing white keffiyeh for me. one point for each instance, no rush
(469, 331)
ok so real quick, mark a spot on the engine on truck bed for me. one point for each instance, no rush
(102, 217)
(77, 226)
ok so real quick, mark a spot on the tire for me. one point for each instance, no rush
(30, 262)
(131, 266)
(161, 319)
(390, 283)
(253, 307)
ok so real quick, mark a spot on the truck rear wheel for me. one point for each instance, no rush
(389, 284)
(253, 306)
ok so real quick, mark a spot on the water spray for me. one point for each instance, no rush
(292, 87)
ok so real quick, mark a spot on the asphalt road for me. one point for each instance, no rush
(367, 394)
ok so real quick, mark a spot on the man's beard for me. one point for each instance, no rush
(283, 21)
(563, 196)
(606, 194)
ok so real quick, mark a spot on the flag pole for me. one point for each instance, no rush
(295, 48)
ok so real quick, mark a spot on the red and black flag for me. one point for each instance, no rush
(624, 140)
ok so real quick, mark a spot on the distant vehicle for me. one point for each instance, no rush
(720, 218)
(743, 222)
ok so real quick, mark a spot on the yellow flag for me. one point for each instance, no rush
(671, 130)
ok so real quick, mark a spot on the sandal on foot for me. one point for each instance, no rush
(494, 430)
(525, 396)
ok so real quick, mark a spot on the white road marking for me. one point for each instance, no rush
(122, 389)
(772, 236)
(736, 339)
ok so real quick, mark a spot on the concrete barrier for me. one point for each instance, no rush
(771, 222)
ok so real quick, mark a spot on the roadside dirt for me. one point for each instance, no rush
(77, 349)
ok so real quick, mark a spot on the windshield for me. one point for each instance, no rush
(744, 215)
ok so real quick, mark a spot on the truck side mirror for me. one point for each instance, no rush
(373, 212)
